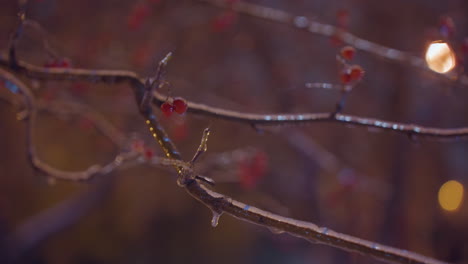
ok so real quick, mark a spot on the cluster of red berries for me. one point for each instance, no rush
(178, 105)
(58, 63)
(350, 73)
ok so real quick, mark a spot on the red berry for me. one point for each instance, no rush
(58, 63)
(180, 105)
(149, 153)
(337, 39)
(348, 52)
(51, 64)
(260, 164)
(222, 22)
(247, 179)
(138, 145)
(180, 131)
(342, 18)
(345, 77)
(138, 15)
(356, 72)
(252, 170)
(167, 109)
(64, 63)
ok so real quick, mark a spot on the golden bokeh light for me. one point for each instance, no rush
(451, 195)
(440, 57)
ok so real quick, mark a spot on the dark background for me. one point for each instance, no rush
(139, 215)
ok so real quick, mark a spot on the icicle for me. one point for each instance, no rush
(276, 230)
(215, 219)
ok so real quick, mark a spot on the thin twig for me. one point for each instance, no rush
(152, 85)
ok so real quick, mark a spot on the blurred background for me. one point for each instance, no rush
(379, 186)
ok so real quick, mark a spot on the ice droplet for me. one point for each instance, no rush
(276, 230)
(215, 218)
(181, 181)
(324, 230)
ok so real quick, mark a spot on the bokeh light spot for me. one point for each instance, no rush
(451, 195)
(440, 57)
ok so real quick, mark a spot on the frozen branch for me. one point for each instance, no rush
(220, 204)
(138, 83)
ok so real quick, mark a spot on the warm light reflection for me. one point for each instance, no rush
(451, 195)
(440, 57)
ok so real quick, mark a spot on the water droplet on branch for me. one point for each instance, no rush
(215, 218)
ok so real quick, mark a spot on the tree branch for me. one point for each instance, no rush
(220, 204)
(217, 202)
(138, 83)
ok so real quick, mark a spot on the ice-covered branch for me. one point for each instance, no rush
(113, 76)
(219, 204)
(189, 180)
